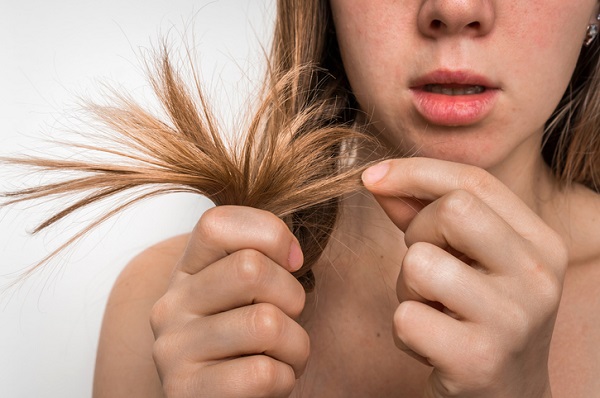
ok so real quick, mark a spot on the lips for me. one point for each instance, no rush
(453, 98)
(453, 89)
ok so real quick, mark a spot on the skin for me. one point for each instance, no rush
(485, 272)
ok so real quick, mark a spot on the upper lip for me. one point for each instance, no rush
(458, 77)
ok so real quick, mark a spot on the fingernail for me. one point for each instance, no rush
(295, 258)
(375, 173)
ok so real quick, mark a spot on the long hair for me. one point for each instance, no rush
(293, 159)
(571, 145)
(572, 137)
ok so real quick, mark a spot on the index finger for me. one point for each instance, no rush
(429, 179)
(226, 229)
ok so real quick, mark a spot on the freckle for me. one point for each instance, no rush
(381, 257)
(378, 334)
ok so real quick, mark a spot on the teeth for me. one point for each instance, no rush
(440, 89)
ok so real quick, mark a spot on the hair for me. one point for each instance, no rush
(571, 144)
(295, 159)
(572, 137)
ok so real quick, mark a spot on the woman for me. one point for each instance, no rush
(482, 260)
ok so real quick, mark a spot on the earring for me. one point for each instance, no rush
(592, 32)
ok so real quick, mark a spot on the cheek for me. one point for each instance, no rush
(548, 47)
(532, 51)
(544, 23)
(372, 35)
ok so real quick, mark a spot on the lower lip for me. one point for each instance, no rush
(454, 110)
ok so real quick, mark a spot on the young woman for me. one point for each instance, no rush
(470, 269)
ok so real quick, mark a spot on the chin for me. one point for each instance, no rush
(478, 159)
(480, 145)
(480, 153)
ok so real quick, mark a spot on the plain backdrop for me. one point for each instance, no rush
(53, 52)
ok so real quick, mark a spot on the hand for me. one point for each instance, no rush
(480, 284)
(225, 327)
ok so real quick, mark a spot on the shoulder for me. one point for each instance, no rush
(582, 225)
(150, 271)
(575, 357)
(147, 276)
(124, 364)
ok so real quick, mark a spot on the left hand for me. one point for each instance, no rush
(481, 282)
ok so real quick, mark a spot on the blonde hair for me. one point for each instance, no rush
(293, 160)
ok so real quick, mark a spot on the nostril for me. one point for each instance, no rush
(471, 18)
(436, 24)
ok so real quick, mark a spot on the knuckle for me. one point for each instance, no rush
(161, 350)
(276, 231)
(250, 267)
(266, 323)
(547, 281)
(417, 262)
(402, 318)
(268, 376)
(546, 284)
(160, 312)
(546, 269)
(304, 351)
(517, 322)
(297, 302)
(265, 370)
(211, 223)
(457, 205)
(476, 180)
(549, 292)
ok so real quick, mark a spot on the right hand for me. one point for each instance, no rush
(225, 327)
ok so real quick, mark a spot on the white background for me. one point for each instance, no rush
(51, 53)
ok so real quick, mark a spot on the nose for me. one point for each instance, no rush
(439, 18)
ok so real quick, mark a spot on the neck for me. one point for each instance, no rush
(529, 177)
(356, 280)
(365, 234)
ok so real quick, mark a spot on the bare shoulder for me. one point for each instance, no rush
(584, 227)
(582, 280)
(148, 274)
(575, 353)
(582, 283)
(124, 364)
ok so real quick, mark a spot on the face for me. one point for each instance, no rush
(465, 80)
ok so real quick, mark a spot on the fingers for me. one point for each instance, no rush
(428, 334)
(260, 328)
(225, 327)
(251, 376)
(430, 179)
(431, 275)
(226, 229)
(461, 221)
(242, 278)
(481, 279)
